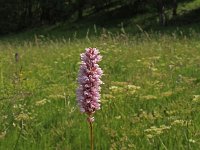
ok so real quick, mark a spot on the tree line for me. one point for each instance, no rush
(19, 14)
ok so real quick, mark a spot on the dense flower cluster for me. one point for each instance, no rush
(89, 80)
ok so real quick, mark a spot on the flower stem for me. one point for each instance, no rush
(91, 136)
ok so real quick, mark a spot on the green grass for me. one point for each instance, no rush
(148, 97)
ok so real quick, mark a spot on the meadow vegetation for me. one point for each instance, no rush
(150, 99)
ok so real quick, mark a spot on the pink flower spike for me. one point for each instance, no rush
(89, 80)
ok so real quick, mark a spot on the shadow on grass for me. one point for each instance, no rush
(112, 20)
(190, 17)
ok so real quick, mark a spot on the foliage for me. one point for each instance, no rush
(17, 15)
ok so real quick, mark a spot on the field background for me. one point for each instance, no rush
(150, 99)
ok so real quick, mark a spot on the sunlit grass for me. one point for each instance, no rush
(150, 99)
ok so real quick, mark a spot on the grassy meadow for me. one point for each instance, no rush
(150, 99)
